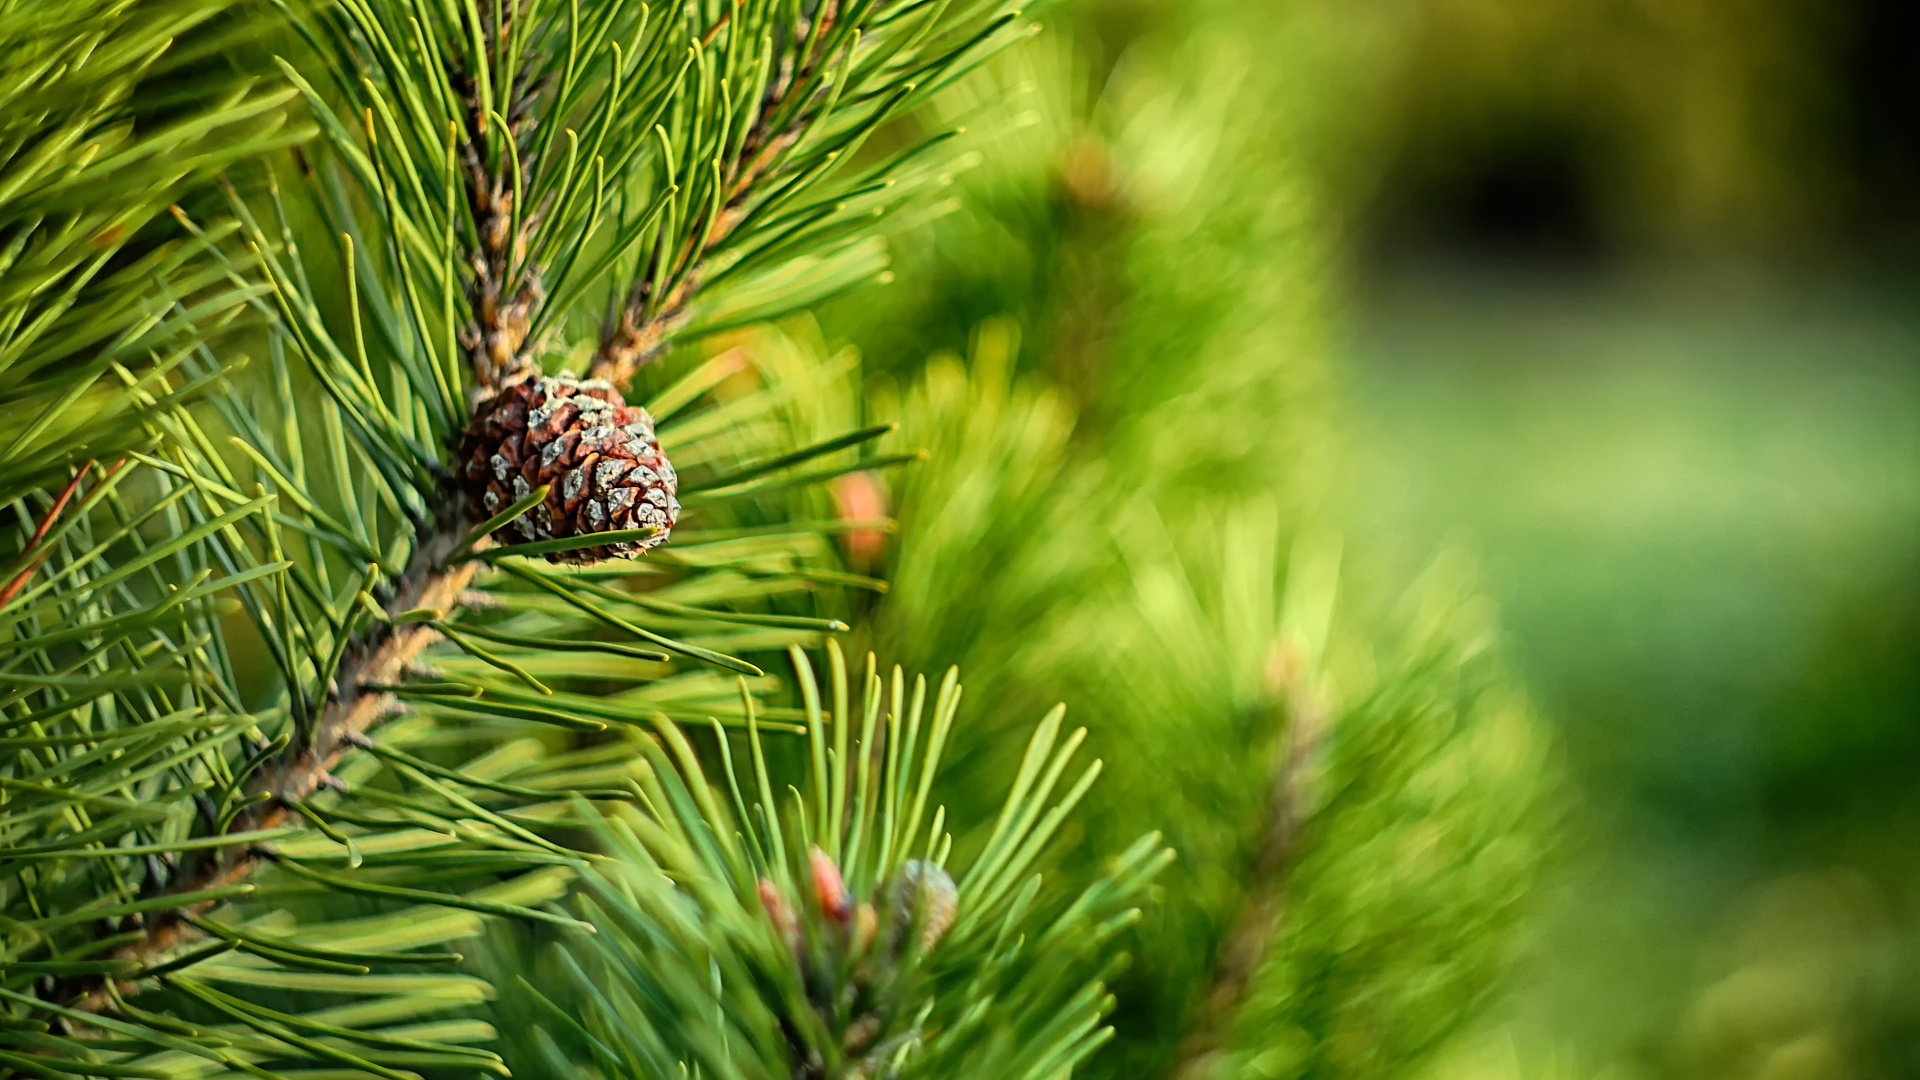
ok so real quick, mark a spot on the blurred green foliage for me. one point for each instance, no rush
(102, 132)
(1129, 462)
(1696, 496)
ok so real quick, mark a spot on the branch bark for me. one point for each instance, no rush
(636, 337)
(1260, 915)
(504, 292)
(380, 657)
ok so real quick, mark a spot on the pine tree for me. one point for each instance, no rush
(399, 638)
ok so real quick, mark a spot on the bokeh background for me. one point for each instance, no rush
(1618, 296)
(1632, 315)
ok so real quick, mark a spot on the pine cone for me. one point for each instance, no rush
(597, 452)
(925, 892)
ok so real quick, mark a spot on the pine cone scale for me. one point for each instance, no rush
(598, 456)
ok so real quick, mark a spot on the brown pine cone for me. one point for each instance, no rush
(597, 452)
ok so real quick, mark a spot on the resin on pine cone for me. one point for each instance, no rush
(598, 455)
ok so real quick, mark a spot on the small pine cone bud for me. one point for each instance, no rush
(860, 1034)
(859, 497)
(829, 888)
(598, 455)
(785, 923)
(925, 893)
(866, 925)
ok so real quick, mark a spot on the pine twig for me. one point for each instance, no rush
(637, 337)
(497, 336)
(1258, 921)
(377, 658)
(20, 580)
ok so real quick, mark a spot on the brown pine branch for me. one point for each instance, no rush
(637, 338)
(496, 337)
(378, 657)
(1260, 915)
(46, 525)
(646, 324)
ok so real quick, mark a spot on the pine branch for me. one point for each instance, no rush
(1264, 905)
(502, 311)
(1427, 825)
(823, 931)
(641, 331)
(32, 555)
(378, 657)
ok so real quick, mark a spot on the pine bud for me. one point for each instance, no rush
(829, 889)
(866, 923)
(925, 893)
(860, 497)
(597, 455)
(781, 912)
(860, 1034)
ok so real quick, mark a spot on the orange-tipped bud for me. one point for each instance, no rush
(859, 497)
(829, 889)
(781, 912)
